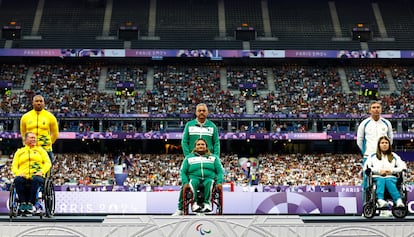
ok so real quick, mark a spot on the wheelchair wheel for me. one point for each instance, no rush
(13, 205)
(369, 210)
(49, 197)
(399, 212)
(218, 201)
(187, 200)
(368, 195)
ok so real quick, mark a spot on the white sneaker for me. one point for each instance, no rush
(177, 213)
(206, 208)
(195, 207)
(381, 203)
(399, 203)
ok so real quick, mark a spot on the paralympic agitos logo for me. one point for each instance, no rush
(202, 231)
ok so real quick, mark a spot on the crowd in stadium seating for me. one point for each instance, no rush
(15, 73)
(122, 74)
(367, 74)
(177, 88)
(298, 89)
(163, 170)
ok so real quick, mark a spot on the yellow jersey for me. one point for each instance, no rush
(42, 123)
(29, 161)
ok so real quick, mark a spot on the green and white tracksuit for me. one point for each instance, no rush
(205, 169)
(194, 130)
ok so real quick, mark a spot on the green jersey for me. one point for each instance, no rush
(194, 130)
(197, 166)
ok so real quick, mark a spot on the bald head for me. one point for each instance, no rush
(38, 103)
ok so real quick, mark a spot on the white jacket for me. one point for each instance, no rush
(368, 133)
(396, 165)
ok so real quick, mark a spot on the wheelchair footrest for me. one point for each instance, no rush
(399, 208)
(383, 208)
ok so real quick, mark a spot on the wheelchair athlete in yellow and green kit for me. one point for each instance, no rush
(30, 165)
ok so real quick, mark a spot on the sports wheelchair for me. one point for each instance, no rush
(216, 199)
(370, 208)
(45, 200)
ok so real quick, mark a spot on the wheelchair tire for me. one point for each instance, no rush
(369, 210)
(187, 200)
(400, 212)
(368, 195)
(13, 206)
(218, 201)
(49, 197)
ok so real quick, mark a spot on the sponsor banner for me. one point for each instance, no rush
(326, 203)
(223, 136)
(148, 53)
(389, 54)
(115, 53)
(311, 53)
(407, 54)
(31, 52)
(214, 54)
(274, 53)
(219, 116)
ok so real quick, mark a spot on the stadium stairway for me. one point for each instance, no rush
(150, 78)
(102, 79)
(270, 79)
(28, 79)
(223, 79)
(344, 82)
(249, 107)
(391, 82)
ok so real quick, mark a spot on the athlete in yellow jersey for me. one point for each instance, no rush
(42, 123)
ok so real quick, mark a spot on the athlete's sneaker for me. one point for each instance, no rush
(206, 208)
(399, 203)
(22, 207)
(381, 203)
(195, 207)
(177, 213)
(30, 208)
